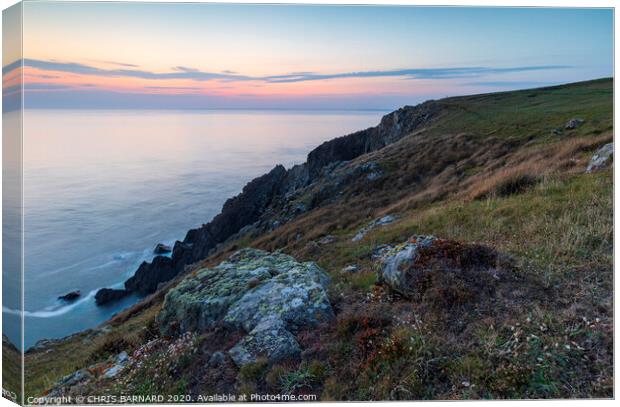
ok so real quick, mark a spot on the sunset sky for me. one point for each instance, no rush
(141, 55)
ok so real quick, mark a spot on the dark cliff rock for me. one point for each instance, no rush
(149, 275)
(106, 295)
(392, 128)
(162, 249)
(247, 207)
(256, 197)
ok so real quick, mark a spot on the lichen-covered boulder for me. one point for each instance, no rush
(297, 296)
(442, 271)
(269, 339)
(251, 287)
(601, 158)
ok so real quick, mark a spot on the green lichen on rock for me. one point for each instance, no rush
(297, 296)
(252, 290)
(268, 339)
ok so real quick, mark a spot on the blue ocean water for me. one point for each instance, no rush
(102, 188)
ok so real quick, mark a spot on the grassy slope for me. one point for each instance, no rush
(11, 371)
(448, 180)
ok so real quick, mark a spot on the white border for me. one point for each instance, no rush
(484, 3)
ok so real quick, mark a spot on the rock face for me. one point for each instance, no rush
(443, 271)
(268, 295)
(106, 295)
(601, 158)
(392, 128)
(162, 249)
(72, 296)
(150, 275)
(247, 208)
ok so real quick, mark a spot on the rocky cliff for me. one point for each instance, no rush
(259, 194)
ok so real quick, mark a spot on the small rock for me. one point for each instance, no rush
(72, 296)
(300, 207)
(268, 339)
(372, 170)
(122, 357)
(75, 378)
(601, 158)
(162, 249)
(113, 371)
(217, 359)
(373, 176)
(573, 123)
(121, 361)
(351, 268)
(557, 131)
(327, 239)
(381, 250)
(386, 220)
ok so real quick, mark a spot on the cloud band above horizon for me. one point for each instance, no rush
(42, 77)
(197, 75)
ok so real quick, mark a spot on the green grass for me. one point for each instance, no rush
(530, 113)
(11, 371)
(44, 368)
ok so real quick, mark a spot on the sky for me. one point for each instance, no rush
(189, 56)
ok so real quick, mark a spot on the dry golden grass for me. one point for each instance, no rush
(524, 169)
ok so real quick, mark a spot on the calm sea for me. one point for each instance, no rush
(102, 188)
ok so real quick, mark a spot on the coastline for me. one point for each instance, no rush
(198, 195)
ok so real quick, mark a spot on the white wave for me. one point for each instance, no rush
(53, 312)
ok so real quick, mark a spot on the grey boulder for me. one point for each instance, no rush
(601, 158)
(270, 296)
(573, 123)
(269, 339)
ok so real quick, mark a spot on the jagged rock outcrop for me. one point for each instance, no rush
(161, 248)
(256, 197)
(392, 128)
(150, 275)
(268, 295)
